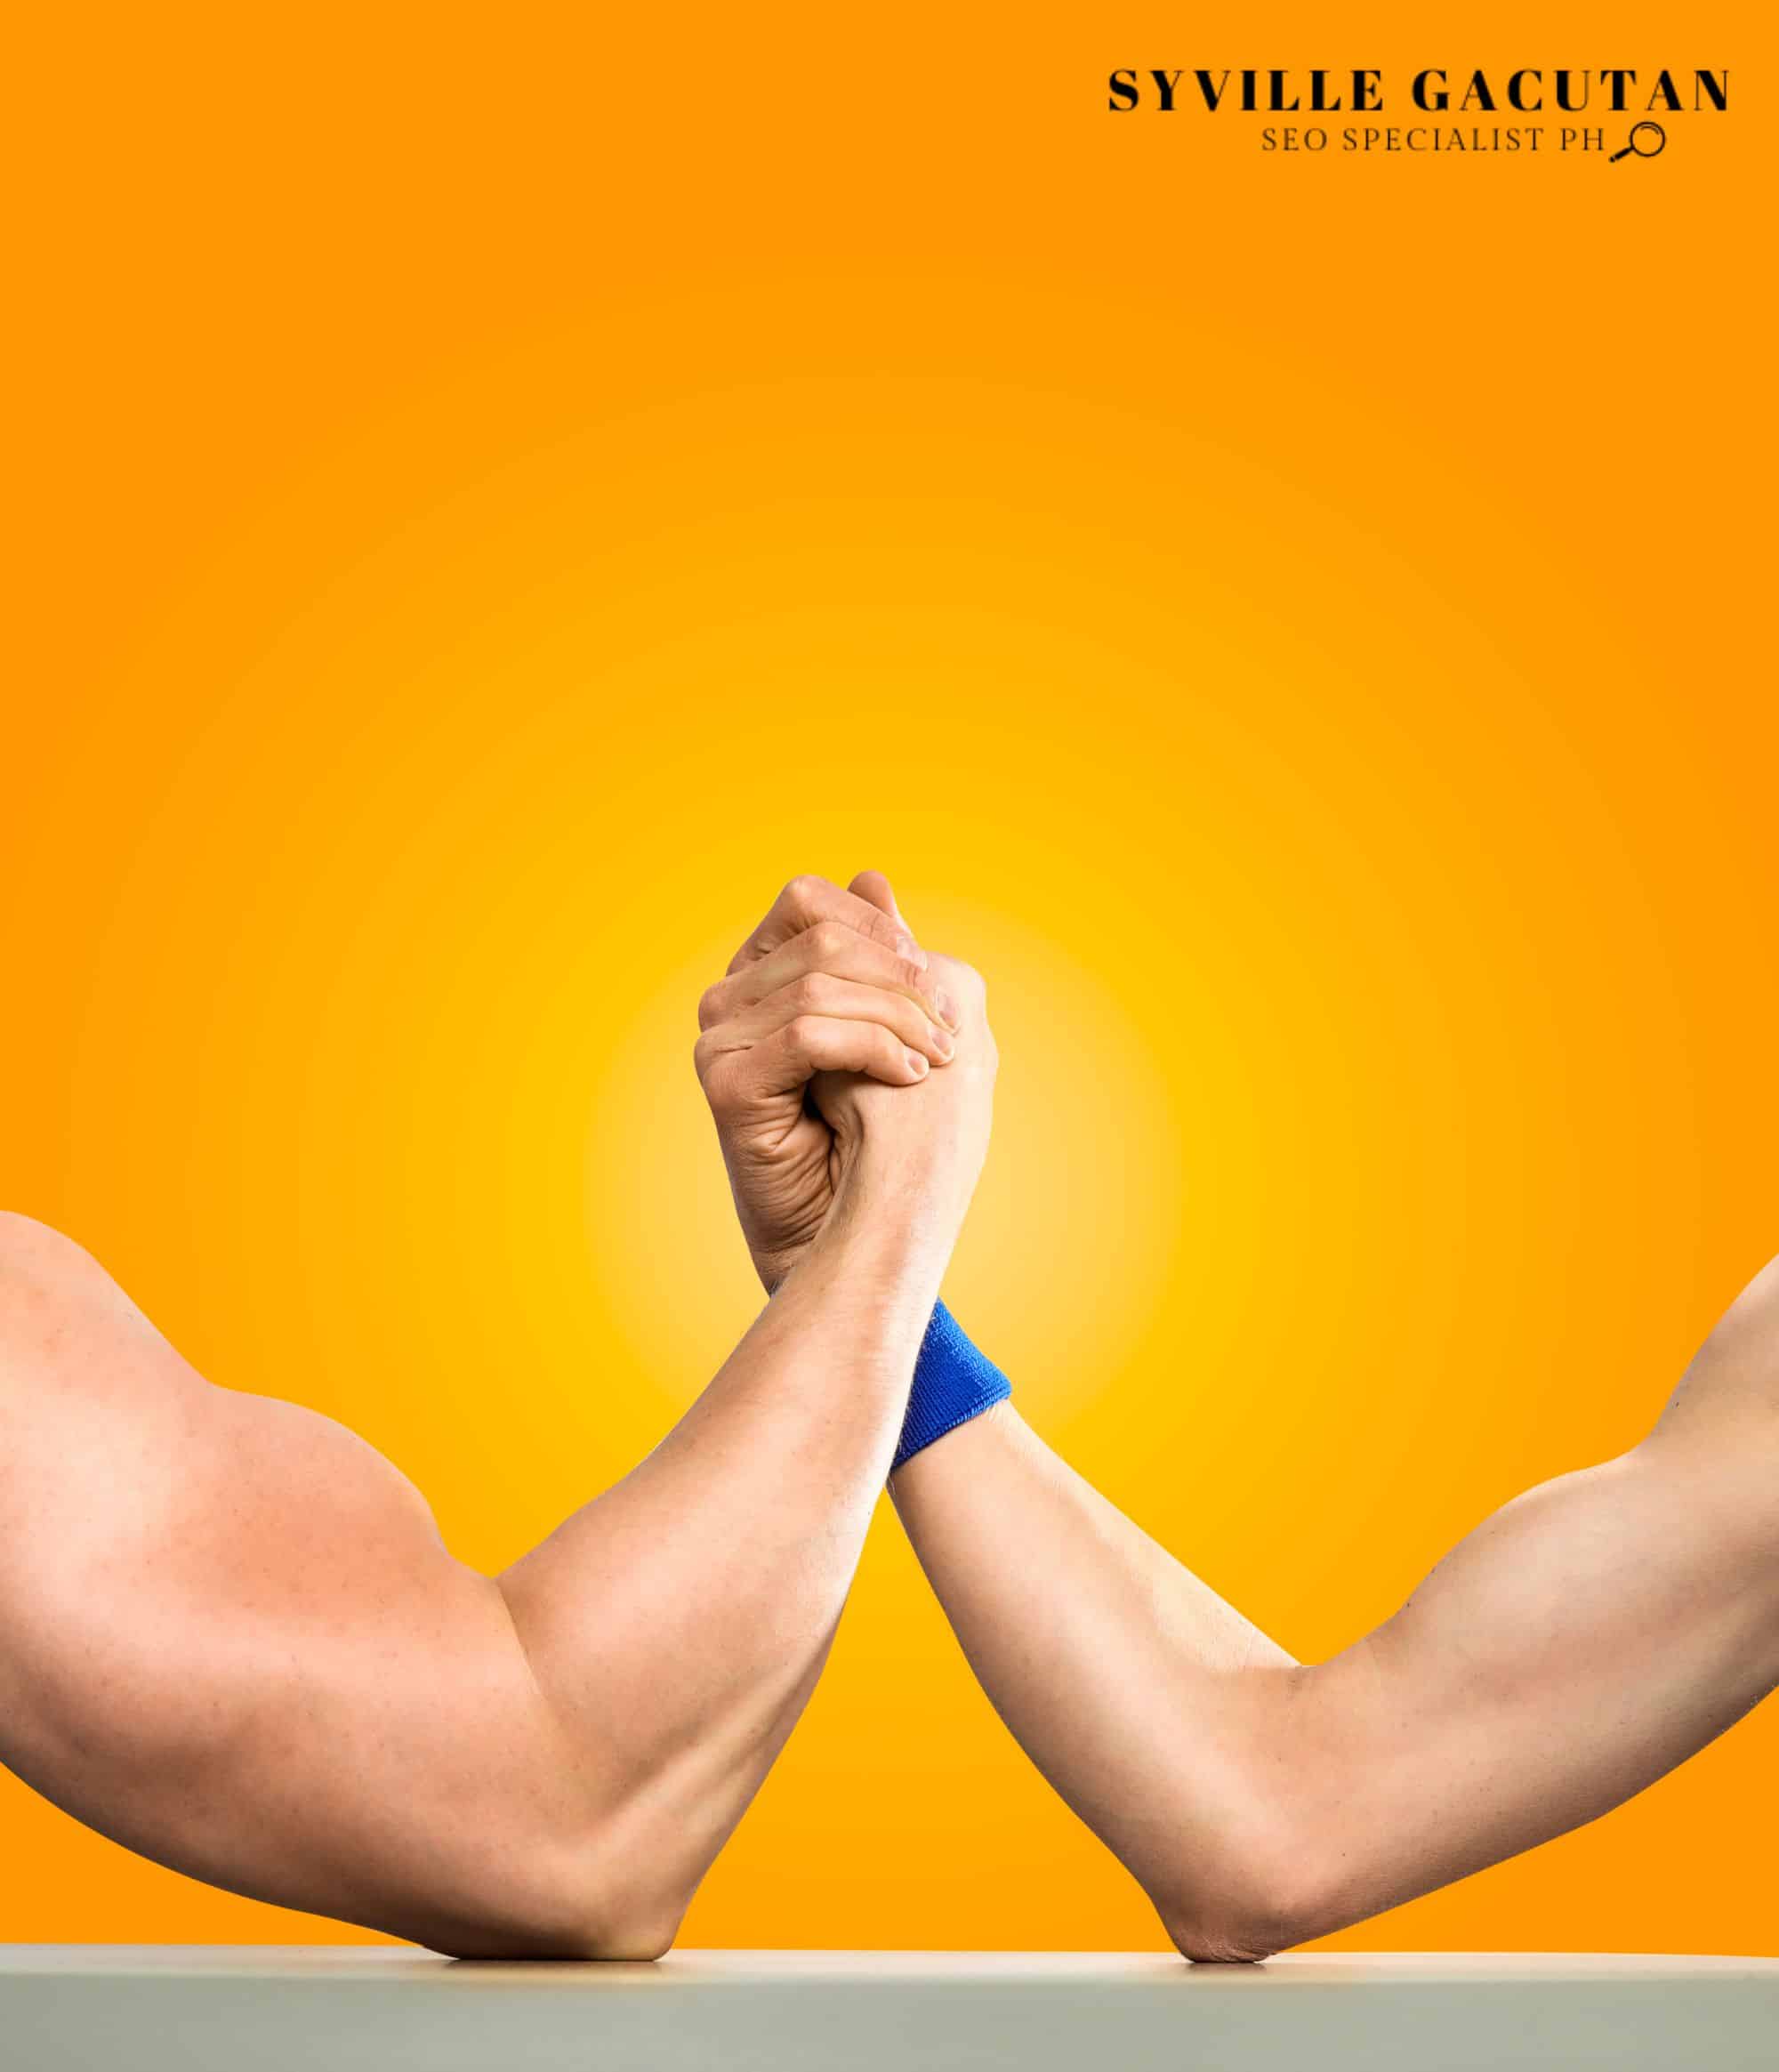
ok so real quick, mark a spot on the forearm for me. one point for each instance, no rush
(1139, 1693)
(1582, 1641)
(678, 1624)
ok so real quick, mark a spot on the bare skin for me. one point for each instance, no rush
(231, 1637)
(1591, 1635)
(1581, 1643)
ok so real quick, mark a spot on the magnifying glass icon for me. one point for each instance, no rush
(1645, 140)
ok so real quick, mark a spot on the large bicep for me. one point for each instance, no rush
(231, 1636)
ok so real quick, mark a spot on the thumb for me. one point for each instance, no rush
(875, 887)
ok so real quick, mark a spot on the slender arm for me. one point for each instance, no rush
(1586, 1639)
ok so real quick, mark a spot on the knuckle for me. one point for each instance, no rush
(828, 939)
(810, 993)
(803, 893)
(801, 1035)
(710, 1005)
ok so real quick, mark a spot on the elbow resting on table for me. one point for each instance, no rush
(1264, 1905)
(1278, 1874)
(559, 1905)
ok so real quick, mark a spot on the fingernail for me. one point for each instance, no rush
(942, 1042)
(947, 1007)
(914, 954)
(917, 1064)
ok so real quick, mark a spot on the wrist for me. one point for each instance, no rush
(882, 1268)
(884, 1220)
(954, 1384)
(897, 1232)
(889, 1170)
(880, 1219)
(909, 1205)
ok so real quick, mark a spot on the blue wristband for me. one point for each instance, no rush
(952, 1384)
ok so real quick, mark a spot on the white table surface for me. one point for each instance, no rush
(269, 2008)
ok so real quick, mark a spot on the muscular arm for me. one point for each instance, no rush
(1583, 1640)
(231, 1638)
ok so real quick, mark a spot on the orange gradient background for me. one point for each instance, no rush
(493, 499)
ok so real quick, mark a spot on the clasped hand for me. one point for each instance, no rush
(844, 1065)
